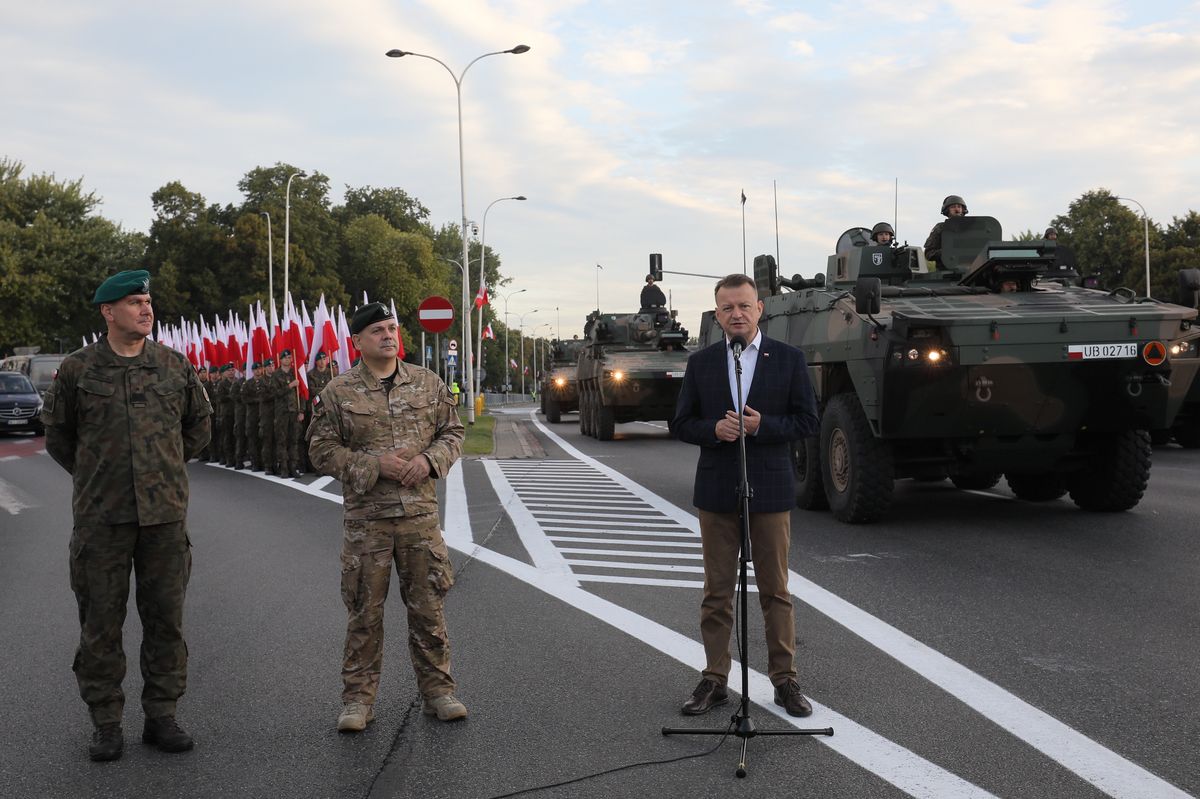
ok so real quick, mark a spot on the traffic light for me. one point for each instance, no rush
(656, 265)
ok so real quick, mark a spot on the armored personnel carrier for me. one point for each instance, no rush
(630, 369)
(989, 363)
(558, 390)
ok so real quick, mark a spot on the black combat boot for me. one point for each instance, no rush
(166, 735)
(107, 743)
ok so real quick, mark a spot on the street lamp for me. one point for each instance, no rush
(270, 262)
(540, 366)
(482, 272)
(521, 344)
(1146, 234)
(462, 187)
(465, 325)
(507, 372)
(287, 233)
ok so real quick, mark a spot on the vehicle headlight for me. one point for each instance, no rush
(618, 375)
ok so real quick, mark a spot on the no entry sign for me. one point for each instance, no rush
(435, 314)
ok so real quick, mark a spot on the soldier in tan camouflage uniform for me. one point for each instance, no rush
(250, 400)
(386, 430)
(318, 378)
(123, 416)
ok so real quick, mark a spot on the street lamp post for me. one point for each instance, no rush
(507, 372)
(1146, 234)
(462, 187)
(287, 233)
(270, 263)
(539, 361)
(462, 325)
(482, 279)
(521, 344)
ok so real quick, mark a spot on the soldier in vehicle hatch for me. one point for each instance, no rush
(652, 295)
(883, 235)
(951, 206)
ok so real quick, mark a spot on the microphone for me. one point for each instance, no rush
(737, 344)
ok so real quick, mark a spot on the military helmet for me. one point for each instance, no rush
(1050, 232)
(953, 199)
(882, 227)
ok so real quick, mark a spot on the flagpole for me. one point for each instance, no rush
(743, 231)
(599, 268)
(775, 191)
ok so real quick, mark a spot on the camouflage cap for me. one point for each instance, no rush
(368, 315)
(122, 284)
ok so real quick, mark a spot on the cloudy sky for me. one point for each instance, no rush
(631, 126)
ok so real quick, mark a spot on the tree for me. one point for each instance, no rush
(394, 205)
(1107, 238)
(54, 252)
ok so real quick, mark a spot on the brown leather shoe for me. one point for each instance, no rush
(708, 694)
(788, 696)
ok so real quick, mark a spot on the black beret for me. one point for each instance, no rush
(368, 315)
(122, 284)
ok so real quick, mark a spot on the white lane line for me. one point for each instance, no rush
(544, 553)
(654, 581)
(621, 553)
(599, 516)
(906, 770)
(623, 542)
(1110, 772)
(644, 567)
(321, 482)
(667, 533)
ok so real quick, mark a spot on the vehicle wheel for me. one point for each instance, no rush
(1036, 487)
(856, 467)
(806, 459)
(585, 412)
(542, 403)
(1117, 475)
(1187, 435)
(553, 413)
(605, 422)
(976, 481)
(1160, 438)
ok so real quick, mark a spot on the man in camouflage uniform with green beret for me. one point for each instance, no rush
(202, 376)
(386, 430)
(225, 413)
(123, 416)
(288, 416)
(318, 377)
(266, 418)
(239, 419)
(250, 400)
(216, 395)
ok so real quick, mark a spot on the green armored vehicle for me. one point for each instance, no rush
(1186, 429)
(559, 391)
(630, 369)
(989, 363)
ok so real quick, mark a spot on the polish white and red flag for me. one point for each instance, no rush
(325, 337)
(293, 336)
(513, 362)
(346, 353)
(399, 338)
(488, 332)
(481, 297)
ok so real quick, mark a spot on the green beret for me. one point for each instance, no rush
(122, 284)
(212, 370)
(285, 353)
(322, 354)
(227, 368)
(368, 315)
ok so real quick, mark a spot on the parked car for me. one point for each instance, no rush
(20, 404)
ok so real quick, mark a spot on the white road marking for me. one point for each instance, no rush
(627, 554)
(12, 498)
(544, 553)
(1098, 765)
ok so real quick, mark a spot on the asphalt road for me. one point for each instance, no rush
(969, 645)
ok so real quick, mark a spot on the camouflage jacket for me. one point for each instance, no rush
(317, 380)
(286, 398)
(266, 399)
(125, 428)
(354, 422)
(933, 244)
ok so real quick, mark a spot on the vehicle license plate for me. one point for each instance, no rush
(1086, 352)
(675, 374)
(16, 421)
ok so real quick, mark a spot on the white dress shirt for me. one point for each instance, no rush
(749, 361)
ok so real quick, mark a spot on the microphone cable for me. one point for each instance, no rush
(625, 767)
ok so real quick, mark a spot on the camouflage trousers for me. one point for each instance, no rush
(287, 441)
(266, 435)
(253, 442)
(101, 559)
(239, 435)
(425, 575)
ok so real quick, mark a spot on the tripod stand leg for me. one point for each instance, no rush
(741, 769)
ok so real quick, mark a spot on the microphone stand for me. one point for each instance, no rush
(743, 725)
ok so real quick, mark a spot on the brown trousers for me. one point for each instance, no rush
(770, 538)
(423, 567)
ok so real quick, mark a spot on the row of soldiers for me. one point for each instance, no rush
(261, 420)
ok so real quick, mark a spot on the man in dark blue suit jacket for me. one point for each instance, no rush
(778, 408)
